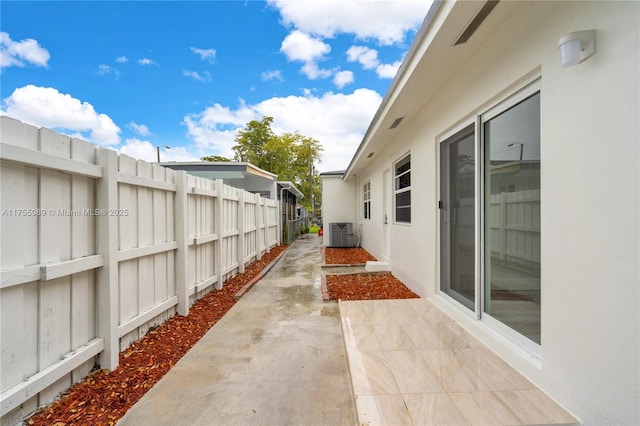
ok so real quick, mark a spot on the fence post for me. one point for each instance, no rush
(503, 225)
(217, 208)
(258, 227)
(107, 198)
(265, 217)
(182, 233)
(241, 228)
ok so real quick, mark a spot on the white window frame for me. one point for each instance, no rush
(522, 91)
(397, 191)
(366, 200)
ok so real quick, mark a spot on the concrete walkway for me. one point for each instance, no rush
(276, 358)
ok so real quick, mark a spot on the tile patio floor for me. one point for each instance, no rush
(411, 364)
(278, 358)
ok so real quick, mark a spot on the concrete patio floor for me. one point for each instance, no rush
(278, 357)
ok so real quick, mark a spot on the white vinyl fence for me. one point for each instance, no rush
(96, 248)
(514, 224)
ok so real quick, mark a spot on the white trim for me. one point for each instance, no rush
(365, 200)
(401, 191)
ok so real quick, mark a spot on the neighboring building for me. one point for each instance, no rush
(291, 223)
(237, 174)
(253, 179)
(505, 188)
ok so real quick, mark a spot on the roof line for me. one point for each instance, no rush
(426, 23)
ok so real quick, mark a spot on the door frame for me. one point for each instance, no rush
(387, 212)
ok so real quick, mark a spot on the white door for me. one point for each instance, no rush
(387, 218)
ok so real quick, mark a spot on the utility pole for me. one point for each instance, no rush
(158, 151)
(313, 209)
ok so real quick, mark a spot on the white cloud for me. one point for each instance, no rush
(139, 129)
(342, 78)
(298, 46)
(147, 62)
(272, 75)
(338, 121)
(122, 59)
(205, 54)
(214, 129)
(388, 70)
(46, 107)
(23, 52)
(385, 21)
(311, 70)
(367, 57)
(206, 76)
(145, 150)
(107, 70)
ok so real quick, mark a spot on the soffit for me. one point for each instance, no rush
(435, 61)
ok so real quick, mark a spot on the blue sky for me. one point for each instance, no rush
(132, 76)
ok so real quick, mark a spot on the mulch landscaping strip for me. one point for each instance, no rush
(367, 287)
(103, 397)
(346, 256)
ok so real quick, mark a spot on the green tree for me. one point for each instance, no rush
(291, 156)
(215, 158)
(252, 141)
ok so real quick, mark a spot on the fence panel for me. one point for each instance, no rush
(514, 223)
(145, 252)
(97, 248)
(272, 222)
(230, 231)
(202, 237)
(250, 228)
(48, 265)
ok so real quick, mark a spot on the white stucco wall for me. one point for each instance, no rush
(338, 203)
(590, 160)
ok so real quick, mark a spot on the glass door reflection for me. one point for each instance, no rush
(512, 217)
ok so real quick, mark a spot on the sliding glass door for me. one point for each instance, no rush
(490, 232)
(511, 146)
(457, 217)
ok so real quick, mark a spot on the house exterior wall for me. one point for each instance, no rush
(590, 162)
(338, 203)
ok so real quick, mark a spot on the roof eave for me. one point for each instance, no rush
(394, 87)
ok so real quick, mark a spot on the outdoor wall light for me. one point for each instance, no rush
(576, 47)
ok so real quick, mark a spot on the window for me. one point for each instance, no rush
(366, 199)
(402, 190)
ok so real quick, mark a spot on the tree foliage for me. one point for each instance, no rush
(215, 158)
(291, 155)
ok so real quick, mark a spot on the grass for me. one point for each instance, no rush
(313, 229)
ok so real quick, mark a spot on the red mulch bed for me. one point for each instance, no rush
(346, 256)
(103, 397)
(367, 287)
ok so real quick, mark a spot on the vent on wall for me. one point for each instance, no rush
(477, 21)
(341, 235)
